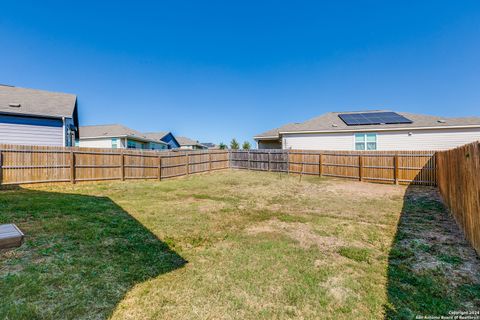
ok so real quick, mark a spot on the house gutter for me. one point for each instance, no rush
(126, 137)
(382, 129)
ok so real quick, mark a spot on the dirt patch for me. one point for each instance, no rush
(300, 232)
(436, 241)
(366, 190)
(337, 290)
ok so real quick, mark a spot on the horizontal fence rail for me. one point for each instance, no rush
(37, 164)
(399, 167)
(458, 175)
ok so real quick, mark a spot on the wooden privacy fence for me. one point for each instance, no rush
(34, 164)
(458, 176)
(402, 167)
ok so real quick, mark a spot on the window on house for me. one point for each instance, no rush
(114, 143)
(131, 144)
(365, 141)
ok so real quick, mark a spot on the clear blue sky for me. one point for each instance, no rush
(213, 70)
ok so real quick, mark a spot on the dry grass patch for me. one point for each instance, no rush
(228, 245)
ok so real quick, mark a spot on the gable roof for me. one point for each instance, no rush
(330, 122)
(114, 131)
(184, 141)
(163, 136)
(159, 135)
(34, 102)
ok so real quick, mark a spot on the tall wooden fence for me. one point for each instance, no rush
(458, 176)
(402, 167)
(34, 164)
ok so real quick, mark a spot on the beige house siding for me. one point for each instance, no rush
(434, 139)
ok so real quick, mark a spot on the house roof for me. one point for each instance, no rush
(114, 130)
(209, 145)
(32, 102)
(159, 135)
(330, 122)
(184, 141)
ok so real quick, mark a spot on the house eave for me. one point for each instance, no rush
(124, 136)
(381, 129)
(29, 115)
(267, 138)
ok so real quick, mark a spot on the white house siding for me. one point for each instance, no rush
(25, 134)
(314, 141)
(97, 143)
(435, 139)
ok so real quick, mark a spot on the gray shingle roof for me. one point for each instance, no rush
(331, 122)
(159, 135)
(114, 130)
(184, 141)
(36, 102)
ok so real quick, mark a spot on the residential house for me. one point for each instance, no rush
(210, 145)
(187, 143)
(165, 136)
(117, 136)
(37, 117)
(373, 130)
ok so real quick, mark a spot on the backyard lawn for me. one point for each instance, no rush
(234, 245)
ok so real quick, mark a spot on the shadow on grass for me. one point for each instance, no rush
(431, 268)
(82, 254)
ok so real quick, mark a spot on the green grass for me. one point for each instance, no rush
(230, 245)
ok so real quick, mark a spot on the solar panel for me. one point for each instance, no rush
(357, 119)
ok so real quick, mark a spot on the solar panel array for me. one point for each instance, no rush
(357, 119)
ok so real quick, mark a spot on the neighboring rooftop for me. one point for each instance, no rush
(113, 130)
(332, 122)
(209, 145)
(23, 101)
(184, 141)
(159, 135)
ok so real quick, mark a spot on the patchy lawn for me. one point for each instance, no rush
(234, 245)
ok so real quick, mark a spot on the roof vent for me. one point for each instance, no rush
(334, 125)
(441, 121)
(14, 105)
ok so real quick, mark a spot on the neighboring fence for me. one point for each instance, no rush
(32, 164)
(458, 176)
(402, 167)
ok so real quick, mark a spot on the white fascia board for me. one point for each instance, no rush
(381, 129)
(124, 136)
(267, 138)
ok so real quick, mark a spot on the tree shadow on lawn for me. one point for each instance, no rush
(82, 254)
(432, 270)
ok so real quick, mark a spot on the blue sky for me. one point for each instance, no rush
(214, 70)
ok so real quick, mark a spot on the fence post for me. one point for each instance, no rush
(288, 162)
(209, 161)
(395, 168)
(159, 167)
(320, 163)
(1, 169)
(122, 165)
(360, 168)
(248, 157)
(187, 165)
(268, 154)
(72, 167)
